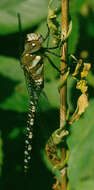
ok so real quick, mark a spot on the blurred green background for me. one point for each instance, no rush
(14, 100)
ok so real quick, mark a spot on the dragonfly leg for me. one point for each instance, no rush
(53, 65)
(47, 35)
(53, 53)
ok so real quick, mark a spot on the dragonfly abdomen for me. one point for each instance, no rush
(29, 136)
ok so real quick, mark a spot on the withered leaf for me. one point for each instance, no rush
(82, 104)
(82, 85)
(52, 22)
(78, 66)
(86, 69)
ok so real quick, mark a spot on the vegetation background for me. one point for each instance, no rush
(14, 100)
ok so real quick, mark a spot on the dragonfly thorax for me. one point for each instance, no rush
(33, 42)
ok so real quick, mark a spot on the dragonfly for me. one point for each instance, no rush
(33, 67)
(32, 63)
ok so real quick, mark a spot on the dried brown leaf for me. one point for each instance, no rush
(86, 69)
(78, 66)
(82, 85)
(57, 185)
(82, 104)
(53, 23)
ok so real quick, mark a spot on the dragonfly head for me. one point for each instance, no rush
(33, 42)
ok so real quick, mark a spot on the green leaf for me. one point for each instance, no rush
(31, 11)
(86, 184)
(18, 101)
(90, 28)
(76, 5)
(14, 133)
(80, 142)
(16, 97)
(90, 78)
(10, 67)
(75, 8)
(71, 83)
(74, 37)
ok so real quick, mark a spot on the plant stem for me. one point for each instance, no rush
(63, 90)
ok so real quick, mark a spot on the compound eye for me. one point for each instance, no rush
(33, 44)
